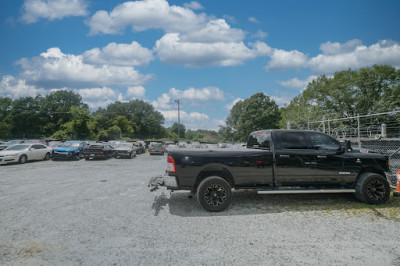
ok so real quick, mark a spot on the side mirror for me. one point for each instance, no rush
(348, 145)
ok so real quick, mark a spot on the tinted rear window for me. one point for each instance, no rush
(259, 140)
(292, 140)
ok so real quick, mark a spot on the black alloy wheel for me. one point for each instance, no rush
(214, 194)
(372, 188)
(47, 156)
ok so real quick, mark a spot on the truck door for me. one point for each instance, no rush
(294, 159)
(329, 164)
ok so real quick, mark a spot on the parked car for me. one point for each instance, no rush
(21, 153)
(156, 148)
(69, 150)
(41, 141)
(3, 145)
(140, 146)
(125, 149)
(99, 151)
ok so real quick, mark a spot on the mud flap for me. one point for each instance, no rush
(156, 182)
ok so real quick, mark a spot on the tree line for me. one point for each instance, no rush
(63, 115)
(369, 90)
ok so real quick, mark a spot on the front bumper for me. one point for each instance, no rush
(9, 159)
(391, 178)
(63, 155)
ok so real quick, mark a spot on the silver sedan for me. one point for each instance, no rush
(21, 153)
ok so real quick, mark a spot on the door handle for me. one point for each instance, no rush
(322, 157)
(284, 156)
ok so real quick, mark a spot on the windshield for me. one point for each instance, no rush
(71, 145)
(18, 148)
(156, 145)
(125, 145)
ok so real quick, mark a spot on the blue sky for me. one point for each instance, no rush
(209, 54)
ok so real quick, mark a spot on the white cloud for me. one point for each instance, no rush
(281, 100)
(193, 120)
(135, 92)
(167, 100)
(33, 10)
(54, 69)
(284, 60)
(143, 15)
(260, 35)
(172, 50)
(335, 48)
(99, 97)
(16, 88)
(204, 94)
(216, 30)
(354, 55)
(229, 106)
(296, 83)
(132, 54)
(193, 5)
(254, 20)
(336, 57)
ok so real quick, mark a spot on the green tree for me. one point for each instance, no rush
(254, 113)
(175, 128)
(114, 133)
(123, 123)
(55, 110)
(348, 93)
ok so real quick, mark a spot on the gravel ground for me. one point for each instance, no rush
(102, 213)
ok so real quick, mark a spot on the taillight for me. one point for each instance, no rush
(170, 164)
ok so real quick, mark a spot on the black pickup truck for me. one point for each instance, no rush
(278, 162)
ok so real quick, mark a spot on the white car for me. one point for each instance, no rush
(21, 153)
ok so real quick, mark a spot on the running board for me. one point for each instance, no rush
(305, 191)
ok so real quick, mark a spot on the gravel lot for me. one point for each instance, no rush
(102, 213)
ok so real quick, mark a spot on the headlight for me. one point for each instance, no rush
(14, 154)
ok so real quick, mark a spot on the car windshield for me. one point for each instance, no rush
(156, 145)
(18, 148)
(71, 144)
(124, 145)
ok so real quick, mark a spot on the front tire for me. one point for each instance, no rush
(214, 194)
(372, 188)
(22, 159)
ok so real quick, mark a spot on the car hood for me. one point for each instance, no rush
(65, 149)
(3, 153)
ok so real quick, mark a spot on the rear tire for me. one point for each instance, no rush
(372, 188)
(47, 157)
(214, 194)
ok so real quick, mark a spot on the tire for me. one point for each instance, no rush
(22, 159)
(86, 158)
(372, 188)
(214, 194)
(47, 157)
(76, 157)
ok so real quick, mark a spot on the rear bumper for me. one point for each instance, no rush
(170, 182)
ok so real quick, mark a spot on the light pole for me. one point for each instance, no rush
(179, 118)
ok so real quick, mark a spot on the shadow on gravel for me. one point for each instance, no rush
(247, 202)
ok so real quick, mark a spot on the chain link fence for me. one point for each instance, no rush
(373, 133)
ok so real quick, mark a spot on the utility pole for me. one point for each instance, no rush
(179, 118)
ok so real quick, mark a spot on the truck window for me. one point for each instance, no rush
(292, 140)
(323, 142)
(259, 140)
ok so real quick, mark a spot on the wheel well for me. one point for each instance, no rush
(222, 172)
(372, 170)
